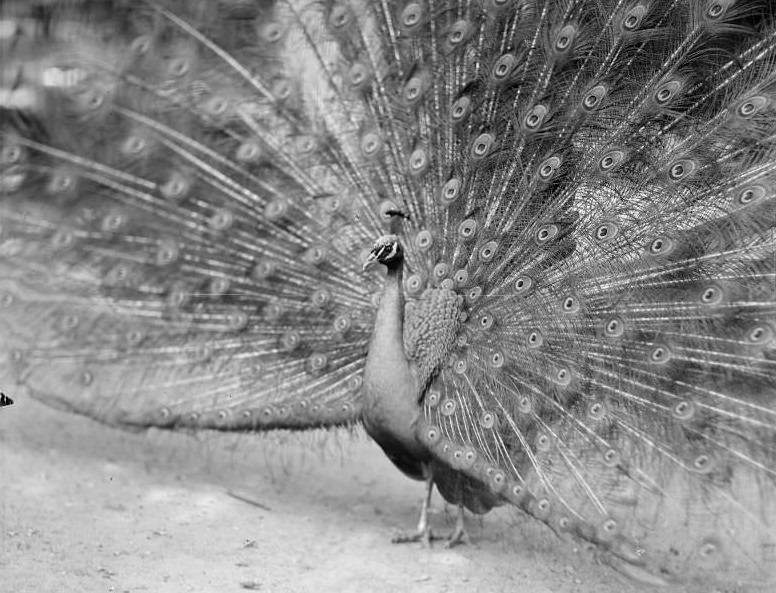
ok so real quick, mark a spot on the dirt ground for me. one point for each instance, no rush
(89, 509)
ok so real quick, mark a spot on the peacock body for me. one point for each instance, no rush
(573, 202)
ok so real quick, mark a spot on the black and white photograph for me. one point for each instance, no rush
(435, 296)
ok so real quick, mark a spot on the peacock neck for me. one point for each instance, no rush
(389, 321)
(391, 407)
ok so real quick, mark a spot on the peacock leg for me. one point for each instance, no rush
(423, 533)
(459, 535)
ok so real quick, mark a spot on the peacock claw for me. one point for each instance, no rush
(456, 538)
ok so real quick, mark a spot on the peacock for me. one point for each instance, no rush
(529, 245)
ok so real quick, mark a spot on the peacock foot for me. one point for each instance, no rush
(424, 536)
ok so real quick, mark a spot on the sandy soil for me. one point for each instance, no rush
(87, 508)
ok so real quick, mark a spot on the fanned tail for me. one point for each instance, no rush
(186, 195)
(178, 245)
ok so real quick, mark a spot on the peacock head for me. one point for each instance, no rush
(387, 251)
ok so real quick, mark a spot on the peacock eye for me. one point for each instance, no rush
(565, 37)
(715, 10)
(411, 15)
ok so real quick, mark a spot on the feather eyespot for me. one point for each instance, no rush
(547, 233)
(549, 167)
(140, 45)
(486, 321)
(682, 169)
(611, 458)
(432, 398)
(414, 284)
(487, 420)
(535, 117)
(290, 340)
(460, 109)
(317, 362)
(412, 90)
(248, 152)
(565, 38)
(482, 146)
(221, 220)
(760, 334)
(342, 323)
(167, 252)
(751, 194)
(219, 286)
(703, 464)
(497, 480)
(371, 143)
(358, 76)
(667, 91)
(237, 321)
(488, 251)
(321, 297)
(458, 33)
(660, 354)
(606, 232)
(272, 32)
(134, 145)
(412, 16)
(523, 285)
(440, 271)
(662, 246)
(263, 269)
(632, 19)
(424, 240)
(712, 295)
(315, 255)
(717, 9)
(176, 187)
(504, 66)
(340, 16)
(614, 328)
(562, 377)
(218, 106)
(61, 182)
(609, 527)
(596, 410)
(467, 229)
(10, 154)
(178, 66)
(683, 410)
(752, 106)
(611, 160)
(448, 407)
(594, 97)
(451, 190)
(570, 305)
(535, 339)
(432, 435)
(418, 161)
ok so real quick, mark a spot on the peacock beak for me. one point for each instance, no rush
(370, 260)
